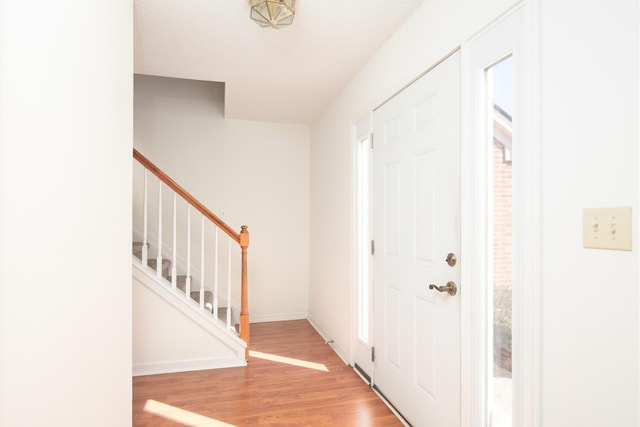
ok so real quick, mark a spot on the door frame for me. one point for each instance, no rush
(526, 219)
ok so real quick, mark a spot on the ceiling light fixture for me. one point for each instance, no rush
(273, 13)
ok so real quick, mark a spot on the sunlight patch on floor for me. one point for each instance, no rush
(289, 361)
(181, 416)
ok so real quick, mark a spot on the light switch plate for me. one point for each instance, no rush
(607, 228)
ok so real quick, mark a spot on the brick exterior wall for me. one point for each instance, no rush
(502, 218)
(502, 261)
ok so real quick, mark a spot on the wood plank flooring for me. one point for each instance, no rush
(322, 392)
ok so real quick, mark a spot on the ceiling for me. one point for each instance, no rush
(288, 75)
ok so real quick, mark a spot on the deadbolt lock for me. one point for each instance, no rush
(451, 259)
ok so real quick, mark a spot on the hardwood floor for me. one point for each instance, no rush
(323, 391)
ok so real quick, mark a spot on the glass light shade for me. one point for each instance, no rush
(273, 13)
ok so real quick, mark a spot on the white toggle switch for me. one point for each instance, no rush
(607, 228)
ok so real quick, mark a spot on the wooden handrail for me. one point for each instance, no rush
(241, 238)
(186, 195)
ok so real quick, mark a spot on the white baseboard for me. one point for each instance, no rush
(186, 365)
(342, 352)
(278, 317)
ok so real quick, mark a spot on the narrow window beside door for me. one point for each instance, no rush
(365, 243)
(500, 81)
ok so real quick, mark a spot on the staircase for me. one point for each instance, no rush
(205, 291)
(181, 285)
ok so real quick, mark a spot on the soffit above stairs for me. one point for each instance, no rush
(288, 75)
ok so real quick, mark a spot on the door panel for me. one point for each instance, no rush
(392, 325)
(425, 202)
(426, 341)
(416, 223)
(392, 209)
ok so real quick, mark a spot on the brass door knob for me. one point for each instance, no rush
(449, 288)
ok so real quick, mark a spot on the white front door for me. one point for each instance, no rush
(416, 224)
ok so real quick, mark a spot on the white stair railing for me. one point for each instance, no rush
(187, 280)
(202, 261)
(228, 281)
(174, 268)
(145, 242)
(181, 247)
(215, 279)
(159, 265)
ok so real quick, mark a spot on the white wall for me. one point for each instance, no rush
(434, 30)
(65, 212)
(590, 159)
(258, 172)
(589, 95)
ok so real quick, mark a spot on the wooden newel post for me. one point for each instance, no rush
(244, 308)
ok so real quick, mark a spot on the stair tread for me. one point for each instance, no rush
(136, 248)
(153, 262)
(166, 264)
(181, 282)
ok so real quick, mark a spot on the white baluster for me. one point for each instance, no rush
(202, 261)
(144, 221)
(159, 258)
(187, 286)
(174, 269)
(228, 282)
(215, 279)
